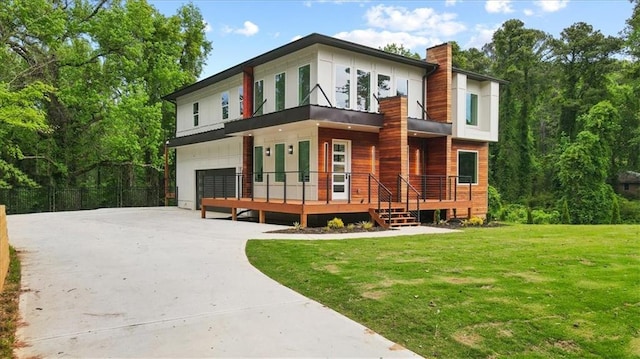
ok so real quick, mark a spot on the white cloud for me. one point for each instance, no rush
(249, 29)
(484, 35)
(498, 6)
(377, 39)
(528, 12)
(450, 2)
(422, 20)
(551, 5)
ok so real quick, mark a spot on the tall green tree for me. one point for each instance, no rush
(110, 62)
(400, 50)
(518, 56)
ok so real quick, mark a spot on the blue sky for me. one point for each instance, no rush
(241, 29)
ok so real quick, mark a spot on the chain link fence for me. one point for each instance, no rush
(34, 200)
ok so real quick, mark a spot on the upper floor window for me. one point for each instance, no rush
(384, 86)
(364, 90)
(472, 109)
(258, 97)
(304, 84)
(241, 99)
(280, 87)
(196, 112)
(224, 99)
(402, 87)
(468, 167)
(343, 86)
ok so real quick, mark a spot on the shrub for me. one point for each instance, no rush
(366, 225)
(615, 211)
(514, 213)
(436, 216)
(297, 226)
(335, 223)
(351, 226)
(540, 216)
(566, 216)
(495, 205)
(474, 221)
(629, 210)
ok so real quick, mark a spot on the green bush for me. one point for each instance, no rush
(351, 226)
(542, 217)
(495, 204)
(513, 213)
(474, 221)
(629, 211)
(366, 225)
(566, 216)
(615, 211)
(335, 223)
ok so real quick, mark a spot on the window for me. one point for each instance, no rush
(467, 167)
(625, 186)
(364, 90)
(384, 86)
(195, 114)
(343, 86)
(304, 84)
(280, 162)
(225, 105)
(402, 87)
(280, 86)
(241, 99)
(257, 163)
(472, 109)
(258, 97)
(303, 161)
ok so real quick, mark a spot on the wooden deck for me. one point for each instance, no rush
(319, 207)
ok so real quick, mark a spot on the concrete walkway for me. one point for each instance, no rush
(161, 282)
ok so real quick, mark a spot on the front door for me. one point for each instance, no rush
(339, 169)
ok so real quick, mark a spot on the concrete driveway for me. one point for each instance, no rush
(161, 282)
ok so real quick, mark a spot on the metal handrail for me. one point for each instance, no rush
(317, 86)
(385, 191)
(415, 213)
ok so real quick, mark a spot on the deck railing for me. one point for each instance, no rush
(410, 192)
(441, 188)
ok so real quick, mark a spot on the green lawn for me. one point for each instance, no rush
(517, 291)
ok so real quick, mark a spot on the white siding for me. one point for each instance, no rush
(488, 107)
(224, 153)
(210, 106)
(294, 188)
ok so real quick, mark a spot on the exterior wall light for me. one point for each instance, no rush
(290, 149)
(268, 151)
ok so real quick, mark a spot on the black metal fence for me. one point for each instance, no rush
(34, 200)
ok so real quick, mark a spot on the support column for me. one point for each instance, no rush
(247, 141)
(393, 143)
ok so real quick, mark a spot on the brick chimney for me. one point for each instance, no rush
(439, 83)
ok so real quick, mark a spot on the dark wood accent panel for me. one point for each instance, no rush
(393, 141)
(247, 92)
(439, 84)
(479, 192)
(361, 160)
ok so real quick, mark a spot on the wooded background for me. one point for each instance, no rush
(81, 85)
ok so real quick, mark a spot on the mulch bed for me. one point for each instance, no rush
(324, 230)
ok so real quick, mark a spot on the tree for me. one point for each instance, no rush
(583, 57)
(472, 59)
(518, 56)
(400, 50)
(108, 123)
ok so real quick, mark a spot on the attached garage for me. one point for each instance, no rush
(213, 182)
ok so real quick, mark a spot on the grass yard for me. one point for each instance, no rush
(516, 291)
(9, 307)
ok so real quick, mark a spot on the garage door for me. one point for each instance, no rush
(215, 183)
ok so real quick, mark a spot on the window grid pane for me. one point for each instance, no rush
(257, 163)
(384, 86)
(303, 161)
(364, 90)
(258, 97)
(467, 167)
(343, 86)
(472, 109)
(280, 162)
(402, 87)
(224, 100)
(280, 88)
(304, 84)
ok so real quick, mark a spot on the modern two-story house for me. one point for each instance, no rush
(325, 126)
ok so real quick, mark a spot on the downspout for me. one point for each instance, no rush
(424, 87)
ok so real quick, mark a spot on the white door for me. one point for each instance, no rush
(340, 168)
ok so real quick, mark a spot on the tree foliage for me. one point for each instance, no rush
(400, 50)
(106, 65)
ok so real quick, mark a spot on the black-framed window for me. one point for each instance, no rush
(472, 109)
(303, 161)
(258, 164)
(224, 102)
(343, 86)
(402, 87)
(196, 114)
(258, 97)
(280, 91)
(304, 84)
(384, 86)
(280, 162)
(364, 90)
(468, 167)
